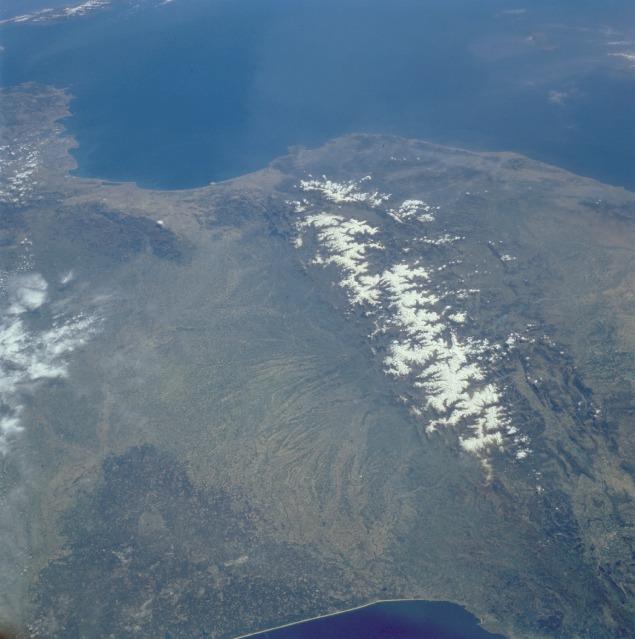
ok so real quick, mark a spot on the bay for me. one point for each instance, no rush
(177, 95)
(399, 619)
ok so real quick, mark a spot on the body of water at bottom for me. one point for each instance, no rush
(402, 619)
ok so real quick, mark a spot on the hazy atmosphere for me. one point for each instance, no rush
(317, 319)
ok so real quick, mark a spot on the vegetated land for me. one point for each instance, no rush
(377, 369)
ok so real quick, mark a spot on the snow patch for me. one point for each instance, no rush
(412, 209)
(448, 374)
(343, 245)
(344, 192)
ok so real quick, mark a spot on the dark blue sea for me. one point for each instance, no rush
(180, 94)
(389, 620)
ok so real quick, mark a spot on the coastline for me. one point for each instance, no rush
(356, 608)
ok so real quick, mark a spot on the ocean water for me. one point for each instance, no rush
(389, 620)
(177, 95)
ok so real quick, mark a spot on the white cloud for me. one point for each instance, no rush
(628, 56)
(29, 356)
(45, 15)
(27, 292)
(19, 164)
(558, 97)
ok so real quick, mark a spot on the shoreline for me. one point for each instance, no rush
(353, 609)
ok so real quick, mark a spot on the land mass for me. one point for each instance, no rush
(377, 369)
